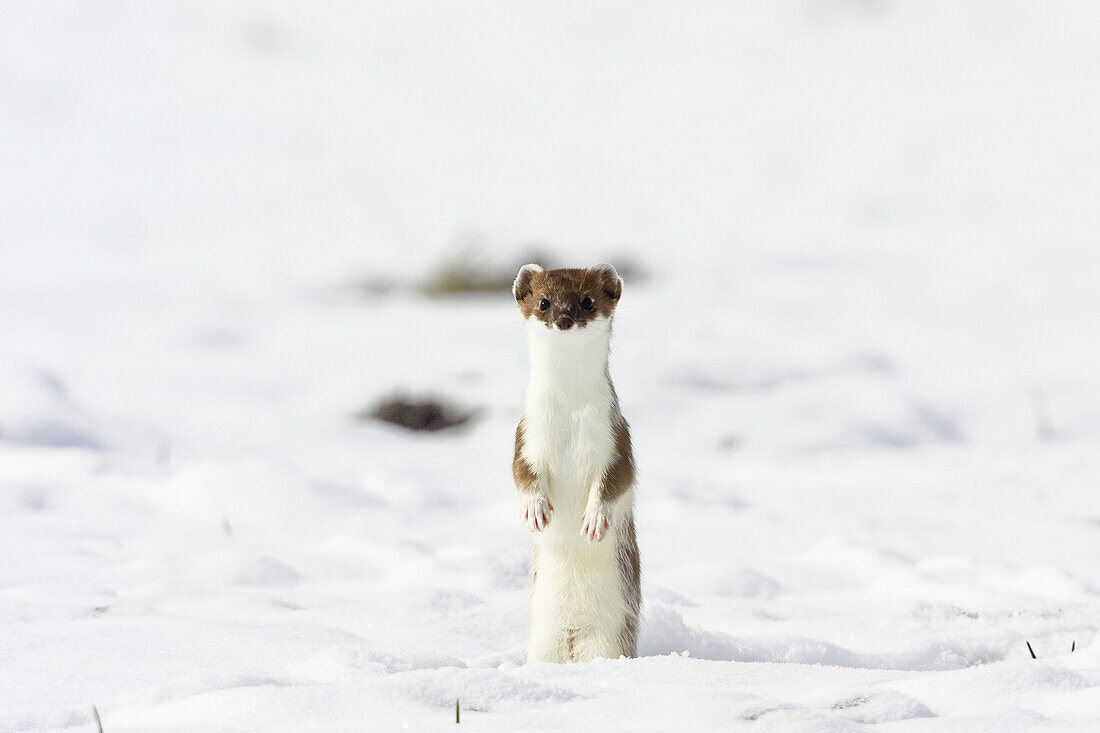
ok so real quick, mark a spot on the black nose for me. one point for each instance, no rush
(564, 323)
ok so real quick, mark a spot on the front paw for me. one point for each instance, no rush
(597, 521)
(537, 511)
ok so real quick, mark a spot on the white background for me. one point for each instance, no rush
(857, 346)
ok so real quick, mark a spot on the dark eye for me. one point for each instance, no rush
(586, 303)
(544, 304)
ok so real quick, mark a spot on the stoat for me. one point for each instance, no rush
(574, 468)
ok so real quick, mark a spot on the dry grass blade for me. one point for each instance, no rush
(98, 722)
(1030, 650)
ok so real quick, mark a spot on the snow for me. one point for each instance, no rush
(858, 354)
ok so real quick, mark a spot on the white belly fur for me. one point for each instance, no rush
(577, 604)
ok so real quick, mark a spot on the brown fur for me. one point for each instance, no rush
(630, 575)
(565, 289)
(522, 473)
(619, 476)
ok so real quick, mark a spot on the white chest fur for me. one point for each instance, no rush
(578, 605)
(568, 436)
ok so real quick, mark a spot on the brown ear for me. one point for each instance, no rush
(521, 288)
(610, 282)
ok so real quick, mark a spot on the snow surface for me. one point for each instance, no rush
(859, 357)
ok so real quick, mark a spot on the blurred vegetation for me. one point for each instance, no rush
(470, 271)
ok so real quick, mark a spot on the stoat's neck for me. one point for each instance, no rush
(568, 366)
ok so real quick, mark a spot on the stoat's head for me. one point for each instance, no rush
(573, 300)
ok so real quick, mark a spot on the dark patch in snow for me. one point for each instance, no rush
(418, 414)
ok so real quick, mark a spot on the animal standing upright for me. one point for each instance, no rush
(574, 468)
